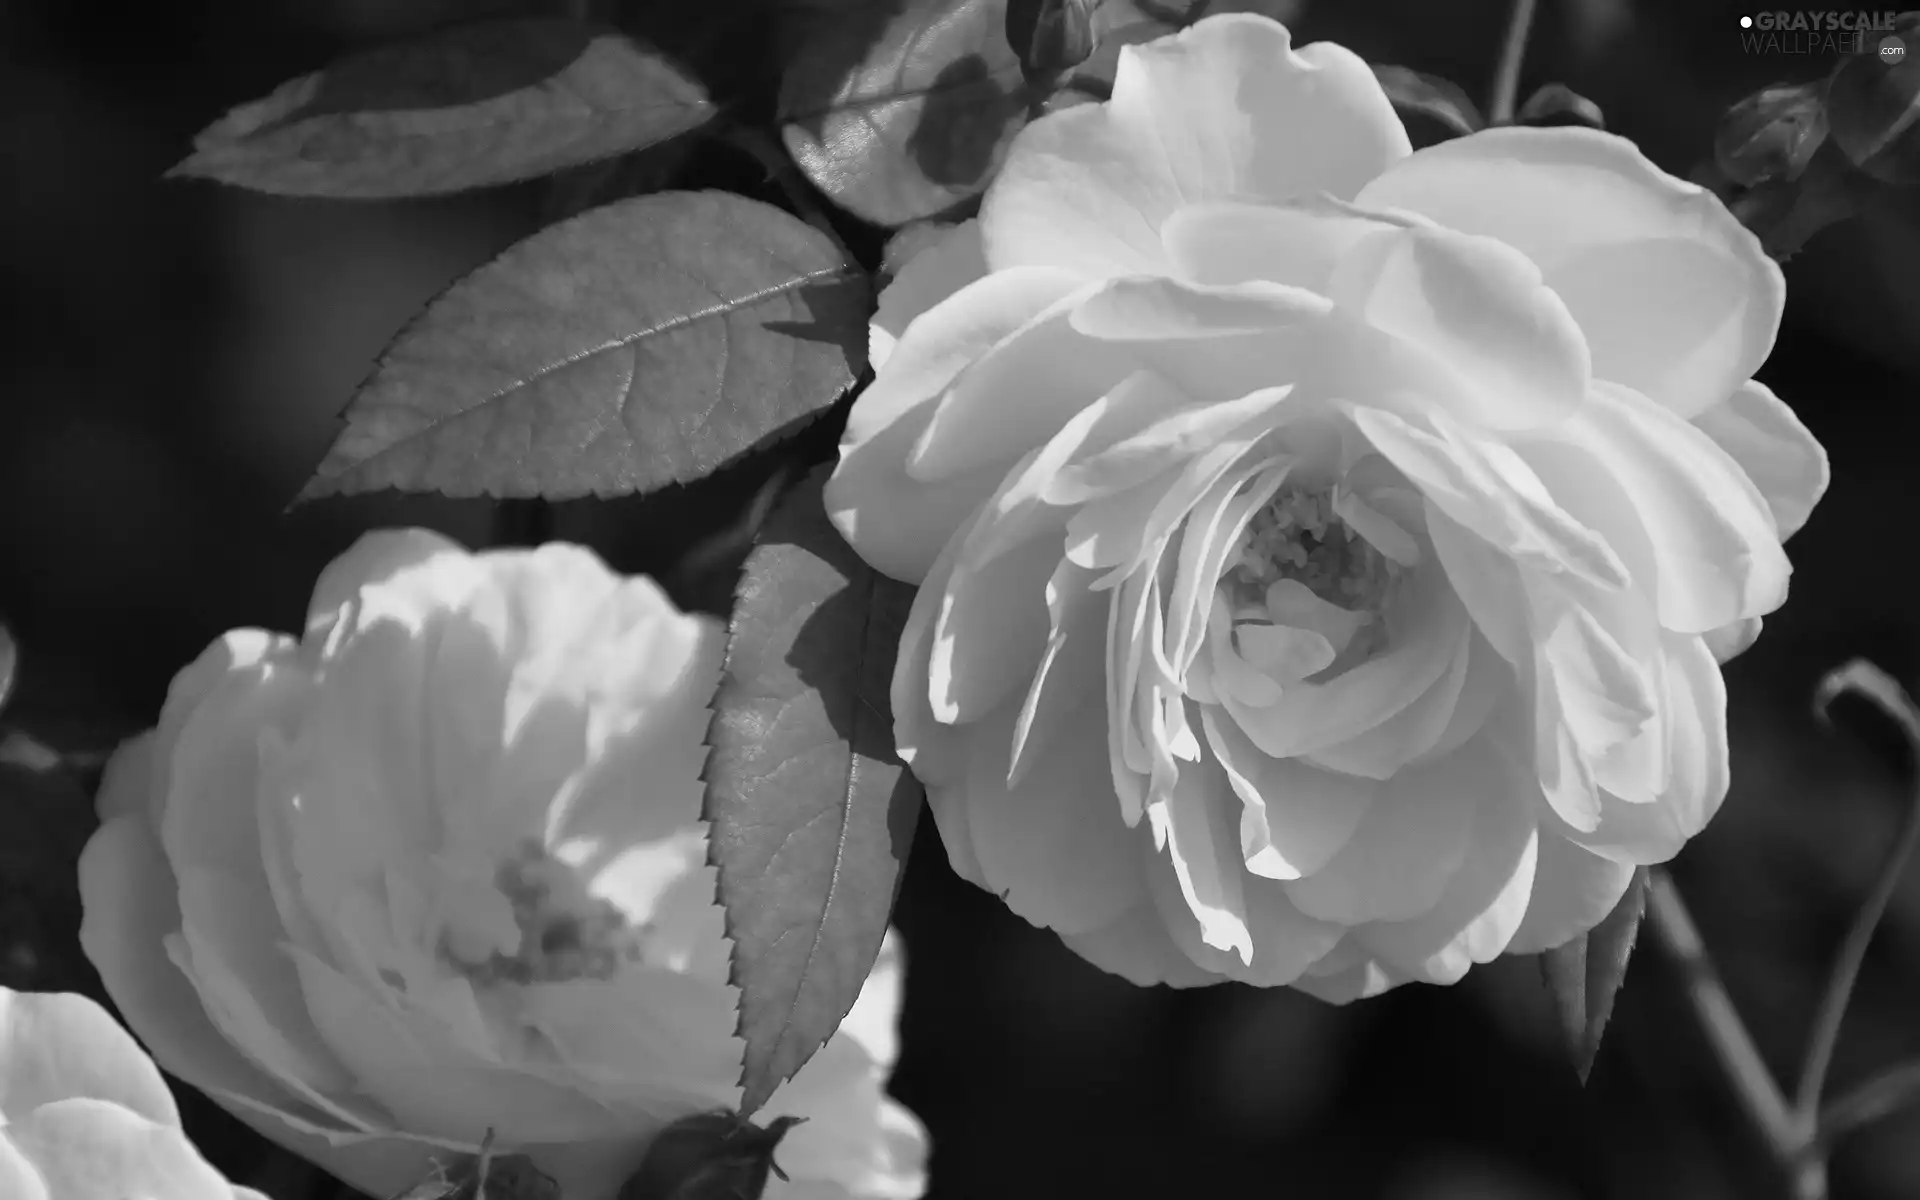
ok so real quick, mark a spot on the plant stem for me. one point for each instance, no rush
(1863, 677)
(1506, 77)
(1752, 1082)
(1885, 1093)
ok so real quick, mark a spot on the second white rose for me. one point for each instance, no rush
(436, 870)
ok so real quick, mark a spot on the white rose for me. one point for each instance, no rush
(1322, 546)
(84, 1114)
(437, 868)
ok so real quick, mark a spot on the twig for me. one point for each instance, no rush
(1861, 677)
(1885, 1093)
(1752, 1082)
(1506, 76)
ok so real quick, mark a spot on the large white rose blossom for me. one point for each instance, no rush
(436, 868)
(1324, 549)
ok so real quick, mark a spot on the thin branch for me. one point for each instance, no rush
(1752, 1082)
(1506, 76)
(1884, 1094)
(1863, 678)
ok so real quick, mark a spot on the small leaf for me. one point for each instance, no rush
(810, 809)
(1772, 134)
(908, 119)
(466, 107)
(1558, 104)
(1429, 96)
(1873, 106)
(1785, 213)
(1584, 974)
(641, 344)
(711, 1156)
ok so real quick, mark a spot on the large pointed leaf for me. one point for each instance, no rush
(637, 345)
(811, 811)
(1585, 973)
(901, 110)
(466, 107)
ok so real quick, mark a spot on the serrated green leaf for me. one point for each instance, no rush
(811, 812)
(640, 344)
(898, 112)
(1585, 974)
(1429, 96)
(466, 107)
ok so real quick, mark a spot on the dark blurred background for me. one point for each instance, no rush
(176, 354)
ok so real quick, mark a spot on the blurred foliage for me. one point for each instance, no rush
(179, 353)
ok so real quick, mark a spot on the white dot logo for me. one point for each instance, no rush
(1746, 22)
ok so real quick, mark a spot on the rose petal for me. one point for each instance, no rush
(937, 753)
(1297, 243)
(951, 260)
(1224, 110)
(1189, 827)
(1789, 467)
(1016, 395)
(1138, 948)
(1354, 983)
(376, 557)
(129, 909)
(898, 525)
(1411, 841)
(408, 1063)
(1070, 670)
(1053, 845)
(59, 1045)
(1425, 626)
(1144, 308)
(1573, 889)
(1294, 817)
(1410, 734)
(86, 1148)
(1695, 709)
(1491, 491)
(1487, 582)
(1480, 311)
(991, 629)
(1717, 556)
(1484, 902)
(1572, 197)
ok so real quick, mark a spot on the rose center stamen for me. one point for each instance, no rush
(1298, 536)
(565, 933)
